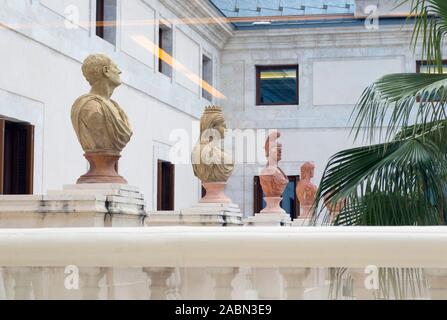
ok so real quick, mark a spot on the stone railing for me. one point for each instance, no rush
(213, 262)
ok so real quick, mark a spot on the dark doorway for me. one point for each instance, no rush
(165, 185)
(16, 157)
(289, 202)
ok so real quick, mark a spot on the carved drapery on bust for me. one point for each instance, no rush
(102, 127)
(210, 163)
(272, 178)
(209, 160)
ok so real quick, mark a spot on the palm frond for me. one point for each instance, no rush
(400, 100)
(398, 183)
(430, 28)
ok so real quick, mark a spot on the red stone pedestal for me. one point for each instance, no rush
(273, 205)
(215, 193)
(102, 169)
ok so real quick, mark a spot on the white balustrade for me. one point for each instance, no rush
(222, 262)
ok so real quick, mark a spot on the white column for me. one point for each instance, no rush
(173, 286)
(222, 278)
(437, 280)
(294, 282)
(159, 287)
(249, 278)
(8, 283)
(89, 282)
(23, 288)
(39, 283)
(360, 291)
(268, 283)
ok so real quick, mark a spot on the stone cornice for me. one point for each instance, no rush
(205, 19)
(294, 38)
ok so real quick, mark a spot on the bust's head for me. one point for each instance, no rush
(273, 149)
(307, 171)
(99, 68)
(212, 119)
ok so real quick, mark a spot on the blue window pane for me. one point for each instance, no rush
(278, 86)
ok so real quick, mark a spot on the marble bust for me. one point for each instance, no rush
(306, 191)
(211, 164)
(102, 127)
(273, 180)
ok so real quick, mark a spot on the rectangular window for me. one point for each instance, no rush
(207, 75)
(165, 44)
(424, 67)
(16, 157)
(277, 85)
(289, 202)
(106, 20)
(165, 185)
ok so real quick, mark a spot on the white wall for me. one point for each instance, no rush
(342, 82)
(138, 19)
(42, 63)
(71, 8)
(187, 59)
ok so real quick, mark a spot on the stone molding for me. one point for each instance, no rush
(216, 32)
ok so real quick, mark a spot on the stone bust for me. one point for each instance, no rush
(99, 122)
(306, 191)
(101, 126)
(273, 179)
(209, 160)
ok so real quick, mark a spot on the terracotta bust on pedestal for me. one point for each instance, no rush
(211, 164)
(101, 126)
(305, 190)
(272, 178)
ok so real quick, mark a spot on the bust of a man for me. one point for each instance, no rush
(306, 191)
(273, 179)
(101, 126)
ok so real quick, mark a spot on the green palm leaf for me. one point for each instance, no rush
(400, 100)
(399, 183)
(430, 28)
(402, 181)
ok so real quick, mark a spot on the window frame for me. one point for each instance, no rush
(163, 67)
(205, 93)
(419, 64)
(168, 168)
(27, 130)
(260, 68)
(100, 14)
(104, 30)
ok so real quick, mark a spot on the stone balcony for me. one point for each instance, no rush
(216, 262)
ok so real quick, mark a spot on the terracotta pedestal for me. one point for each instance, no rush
(102, 169)
(215, 193)
(273, 205)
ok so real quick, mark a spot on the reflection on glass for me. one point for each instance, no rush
(277, 86)
(426, 68)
